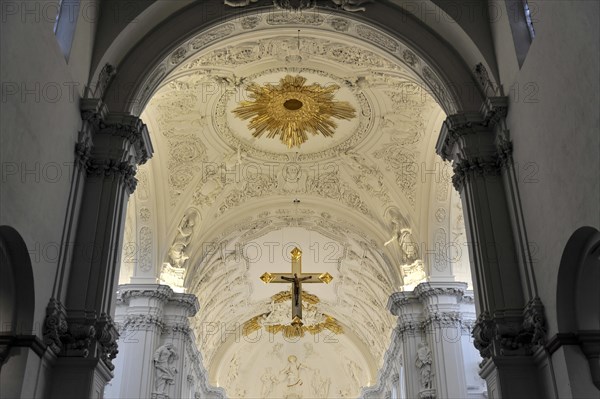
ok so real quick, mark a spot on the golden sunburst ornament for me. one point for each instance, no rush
(291, 109)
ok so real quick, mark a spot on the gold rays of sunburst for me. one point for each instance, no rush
(292, 109)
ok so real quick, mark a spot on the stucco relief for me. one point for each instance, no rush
(325, 185)
(401, 160)
(145, 250)
(142, 190)
(376, 37)
(366, 175)
(186, 154)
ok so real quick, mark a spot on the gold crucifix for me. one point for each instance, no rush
(296, 278)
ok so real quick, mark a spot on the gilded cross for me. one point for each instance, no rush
(296, 278)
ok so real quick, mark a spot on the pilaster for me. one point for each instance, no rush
(159, 358)
(510, 324)
(79, 326)
(409, 310)
(140, 320)
(442, 326)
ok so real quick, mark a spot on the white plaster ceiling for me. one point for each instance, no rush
(342, 197)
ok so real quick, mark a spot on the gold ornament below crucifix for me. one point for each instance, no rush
(296, 278)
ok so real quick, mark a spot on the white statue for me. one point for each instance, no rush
(185, 230)
(292, 372)
(423, 363)
(320, 385)
(234, 368)
(309, 349)
(268, 380)
(355, 373)
(279, 314)
(403, 234)
(276, 350)
(311, 316)
(164, 357)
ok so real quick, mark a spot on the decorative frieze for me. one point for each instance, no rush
(427, 290)
(112, 168)
(78, 338)
(443, 319)
(509, 336)
(141, 322)
(160, 292)
(55, 325)
(107, 335)
(534, 322)
(467, 168)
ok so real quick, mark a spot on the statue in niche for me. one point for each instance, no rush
(177, 254)
(163, 359)
(269, 380)
(423, 363)
(292, 373)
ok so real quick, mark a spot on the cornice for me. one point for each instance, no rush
(457, 126)
(429, 289)
(127, 291)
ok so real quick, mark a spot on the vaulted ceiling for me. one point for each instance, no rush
(216, 207)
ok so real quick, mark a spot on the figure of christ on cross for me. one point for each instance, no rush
(296, 278)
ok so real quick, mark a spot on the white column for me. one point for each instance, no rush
(442, 324)
(177, 332)
(409, 310)
(140, 318)
(154, 320)
(434, 324)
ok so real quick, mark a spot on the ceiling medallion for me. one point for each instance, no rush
(291, 109)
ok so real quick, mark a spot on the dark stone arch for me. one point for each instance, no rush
(142, 61)
(578, 298)
(17, 306)
(17, 283)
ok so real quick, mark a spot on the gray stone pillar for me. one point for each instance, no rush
(79, 325)
(510, 324)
